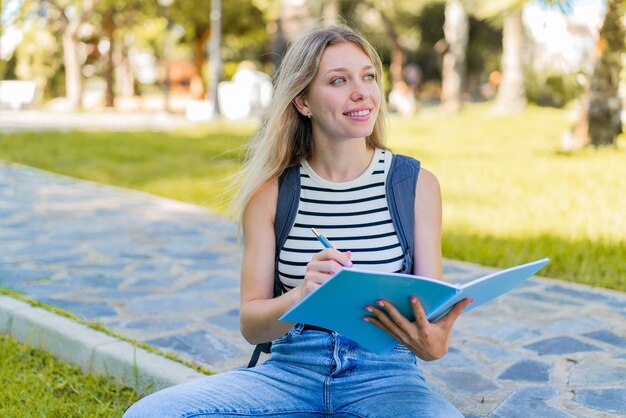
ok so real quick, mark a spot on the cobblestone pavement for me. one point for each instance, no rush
(166, 273)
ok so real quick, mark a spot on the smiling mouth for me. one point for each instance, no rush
(359, 113)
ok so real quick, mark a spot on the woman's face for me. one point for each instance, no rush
(344, 97)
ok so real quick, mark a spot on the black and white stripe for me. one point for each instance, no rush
(352, 215)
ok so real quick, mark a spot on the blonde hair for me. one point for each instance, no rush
(285, 135)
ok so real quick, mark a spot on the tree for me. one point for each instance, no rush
(605, 106)
(243, 31)
(511, 96)
(456, 30)
(71, 16)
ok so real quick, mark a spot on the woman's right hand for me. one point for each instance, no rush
(321, 267)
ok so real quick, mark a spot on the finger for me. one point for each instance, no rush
(385, 322)
(324, 266)
(395, 315)
(317, 277)
(334, 254)
(420, 316)
(451, 317)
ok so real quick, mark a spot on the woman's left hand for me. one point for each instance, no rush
(427, 341)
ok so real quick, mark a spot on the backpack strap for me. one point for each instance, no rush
(400, 191)
(286, 211)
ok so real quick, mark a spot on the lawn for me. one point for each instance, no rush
(510, 195)
(35, 384)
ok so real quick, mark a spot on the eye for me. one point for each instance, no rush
(337, 81)
(370, 77)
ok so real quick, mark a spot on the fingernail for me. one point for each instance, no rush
(366, 319)
(380, 303)
(413, 299)
(369, 309)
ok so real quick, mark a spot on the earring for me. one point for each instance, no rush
(309, 115)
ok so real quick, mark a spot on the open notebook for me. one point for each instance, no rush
(339, 303)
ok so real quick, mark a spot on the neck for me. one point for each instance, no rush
(341, 162)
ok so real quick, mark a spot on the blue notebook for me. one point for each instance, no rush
(339, 303)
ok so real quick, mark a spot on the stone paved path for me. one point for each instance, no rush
(166, 273)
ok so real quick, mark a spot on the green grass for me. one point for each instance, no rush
(510, 195)
(191, 166)
(35, 384)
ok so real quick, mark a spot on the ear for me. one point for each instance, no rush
(301, 104)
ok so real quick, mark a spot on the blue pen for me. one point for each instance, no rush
(322, 239)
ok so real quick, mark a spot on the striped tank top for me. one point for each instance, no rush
(352, 215)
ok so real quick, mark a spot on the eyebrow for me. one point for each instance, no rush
(345, 70)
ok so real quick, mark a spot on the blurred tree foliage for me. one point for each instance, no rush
(406, 33)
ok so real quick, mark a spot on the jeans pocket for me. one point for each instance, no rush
(403, 350)
(285, 338)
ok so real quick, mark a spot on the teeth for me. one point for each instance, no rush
(359, 113)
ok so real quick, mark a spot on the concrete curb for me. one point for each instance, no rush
(91, 350)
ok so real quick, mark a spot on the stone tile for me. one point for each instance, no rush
(608, 337)
(560, 345)
(84, 309)
(171, 304)
(41, 290)
(152, 325)
(529, 402)
(511, 332)
(200, 345)
(588, 295)
(604, 399)
(164, 280)
(491, 352)
(118, 295)
(465, 381)
(453, 359)
(22, 274)
(215, 282)
(529, 371)
(58, 258)
(574, 324)
(97, 281)
(228, 320)
(593, 371)
(538, 297)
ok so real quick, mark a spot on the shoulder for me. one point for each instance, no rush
(262, 204)
(427, 181)
(427, 189)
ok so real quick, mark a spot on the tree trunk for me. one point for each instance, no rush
(605, 106)
(71, 59)
(456, 30)
(215, 42)
(73, 76)
(109, 30)
(202, 35)
(511, 95)
(398, 57)
(331, 12)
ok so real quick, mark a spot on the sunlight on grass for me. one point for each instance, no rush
(510, 195)
(35, 384)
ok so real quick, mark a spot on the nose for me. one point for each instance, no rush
(358, 91)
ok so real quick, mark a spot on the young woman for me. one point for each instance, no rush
(327, 119)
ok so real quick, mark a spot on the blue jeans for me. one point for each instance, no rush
(309, 373)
